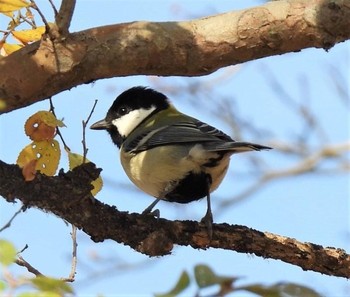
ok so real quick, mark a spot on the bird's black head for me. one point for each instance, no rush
(129, 110)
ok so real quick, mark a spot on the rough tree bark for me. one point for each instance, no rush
(189, 48)
(196, 47)
(68, 196)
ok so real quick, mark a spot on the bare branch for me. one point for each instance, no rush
(53, 7)
(310, 163)
(21, 262)
(186, 48)
(307, 164)
(58, 131)
(85, 149)
(68, 196)
(64, 16)
(71, 277)
(8, 224)
(35, 6)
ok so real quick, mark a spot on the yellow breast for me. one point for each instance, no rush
(156, 170)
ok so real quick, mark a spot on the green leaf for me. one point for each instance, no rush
(29, 294)
(296, 290)
(180, 286)
(53, 285)
(206, 277)
(7, 252)
(281, 290)
(40, 294)
(261, 290)
(2, 286)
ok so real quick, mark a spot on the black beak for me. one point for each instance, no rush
(100, 125)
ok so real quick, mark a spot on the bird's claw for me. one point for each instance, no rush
(208, 222)
(154, 213)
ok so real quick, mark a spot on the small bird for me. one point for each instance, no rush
(167, 154)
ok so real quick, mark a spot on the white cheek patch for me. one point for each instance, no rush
(128, 122)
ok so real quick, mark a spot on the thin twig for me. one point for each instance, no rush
(24, 248)
(256, 186)
(20, 19)
(47, 26)
(8, 224)
(305, 113)
(85, 149)
(71, 277)
(306, 165)
(21, 262)
(58, 131)
(26, 19)
(53, 7)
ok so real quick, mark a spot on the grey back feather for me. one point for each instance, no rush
(188, 132)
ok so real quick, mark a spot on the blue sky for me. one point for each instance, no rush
(312, 208)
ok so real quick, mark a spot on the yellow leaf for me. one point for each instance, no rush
(26, 155)
(47, 153)
(9, 14)
(97, 184)
(76, 160)
(26, 36)
(42, 126)
(49, 119)
(10, 48)
(11, 5)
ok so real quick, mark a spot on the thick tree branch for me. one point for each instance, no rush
(187, 48)
(68, 196)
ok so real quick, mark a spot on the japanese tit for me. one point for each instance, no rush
(168, 154)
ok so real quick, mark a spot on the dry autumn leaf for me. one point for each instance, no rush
(11, 5)
(40, 131)
(26, 155)
(10, 14)
(26, 36)
(42, 126)
(76, 160)
(29, 171)
(49, 119)
(8, 48)
(46, 152)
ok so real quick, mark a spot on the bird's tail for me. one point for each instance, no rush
(235, 146)
(241, 146)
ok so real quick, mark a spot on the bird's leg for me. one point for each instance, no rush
(208, 218)
(155, 212)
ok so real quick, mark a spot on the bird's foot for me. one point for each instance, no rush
(149, 210)
(208, 222)
(154, 213)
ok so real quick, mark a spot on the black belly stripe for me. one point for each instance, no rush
(193, 187)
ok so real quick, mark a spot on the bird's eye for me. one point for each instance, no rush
(123, 110)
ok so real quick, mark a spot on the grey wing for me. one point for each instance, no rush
(223, 142)
(179, 133)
